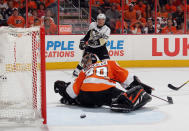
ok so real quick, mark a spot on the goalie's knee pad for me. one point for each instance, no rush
(138, 97)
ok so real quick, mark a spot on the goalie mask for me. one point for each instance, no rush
(88, 59)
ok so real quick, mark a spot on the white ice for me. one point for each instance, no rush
(155, 116)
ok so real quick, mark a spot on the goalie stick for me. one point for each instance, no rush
(168, 100)
(177, 88)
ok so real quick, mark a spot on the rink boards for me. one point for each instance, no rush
(62, 51)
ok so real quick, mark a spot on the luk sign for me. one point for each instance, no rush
(179, 47)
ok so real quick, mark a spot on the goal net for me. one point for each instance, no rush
(22, 76)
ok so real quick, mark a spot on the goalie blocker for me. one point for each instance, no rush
(93, 89)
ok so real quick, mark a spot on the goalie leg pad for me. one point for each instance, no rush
(133, 99)
(138, 96)
(121, 104)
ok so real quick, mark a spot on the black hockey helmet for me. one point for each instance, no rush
(88, 59)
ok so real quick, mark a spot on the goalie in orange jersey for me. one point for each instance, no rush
(96, 86)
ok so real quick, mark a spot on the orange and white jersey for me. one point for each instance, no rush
(99, 77)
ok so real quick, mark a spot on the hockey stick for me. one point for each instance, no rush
(169, 99)
(177, 88)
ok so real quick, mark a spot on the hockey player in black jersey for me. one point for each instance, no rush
(95, 41)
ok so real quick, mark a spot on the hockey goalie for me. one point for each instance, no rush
(96, 86)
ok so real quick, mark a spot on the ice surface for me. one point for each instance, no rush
(155, 116)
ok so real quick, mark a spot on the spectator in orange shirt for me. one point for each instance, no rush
(137, 28)
(49, 28)
(130, 15)
(140, 18)
(32, 4)
(126, 7)
(118, 27)
(170, 7)
(142, 7)
(15, 20)
(169, 29)
(163, 12)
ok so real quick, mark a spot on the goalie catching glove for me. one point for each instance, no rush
(60, 87)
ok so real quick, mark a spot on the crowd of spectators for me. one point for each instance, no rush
(40, 13)
(139, 15)
(123, 16)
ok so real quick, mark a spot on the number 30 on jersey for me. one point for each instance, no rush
(98, 71)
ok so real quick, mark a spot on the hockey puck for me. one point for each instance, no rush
(82, 116)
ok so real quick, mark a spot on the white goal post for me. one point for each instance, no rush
(22, 75)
